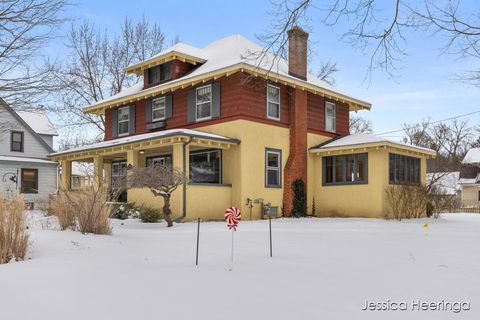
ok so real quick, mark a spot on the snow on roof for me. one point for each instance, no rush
(447, 182)
(38, 121)
(467, 181)
(223, 53)
(178, 47)
(148, 136)
(472, 156)
(22, 159)
(82, 168)
(363, 138)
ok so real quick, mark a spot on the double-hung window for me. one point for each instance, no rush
(203, 103)
(123, 120)
(330, 117)
(348, 169)
(16, 141)
(273, 102)
(273, 168)
(158, 109)
(206, 167)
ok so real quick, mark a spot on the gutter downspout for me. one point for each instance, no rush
(184, 209)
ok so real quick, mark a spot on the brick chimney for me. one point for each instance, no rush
(296, 165)
(297, 52)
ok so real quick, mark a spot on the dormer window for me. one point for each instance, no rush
(160, 73)
(158, 109)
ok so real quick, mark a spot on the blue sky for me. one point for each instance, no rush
(423, 90)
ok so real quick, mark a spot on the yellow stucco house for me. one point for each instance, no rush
(243, 126)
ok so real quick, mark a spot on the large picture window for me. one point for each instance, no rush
(404, 169)
(273, 102)
(160, 73)
(123, 120)
(16, 141)
(273, 168)
(348, 169)
(206, 167)
(330, 117)
(29, 181)
(203, 105)
(158, 109)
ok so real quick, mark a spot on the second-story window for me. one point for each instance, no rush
(16, 141)
(273, 102)
(203, 104)
(160, 73)
(158, 109)
(123, 120)
(330, 117)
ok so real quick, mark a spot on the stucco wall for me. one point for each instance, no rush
(470, 195)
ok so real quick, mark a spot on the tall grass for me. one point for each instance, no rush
(13, 229)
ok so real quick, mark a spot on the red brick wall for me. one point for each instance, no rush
(242, 99)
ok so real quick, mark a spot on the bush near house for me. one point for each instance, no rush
(124, 211)
(299, 208)
(148, 214)
(406, 202)
(13, 229)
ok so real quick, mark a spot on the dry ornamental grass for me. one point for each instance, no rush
(13, 229)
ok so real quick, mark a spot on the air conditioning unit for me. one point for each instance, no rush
(156, 125)
(269, 211)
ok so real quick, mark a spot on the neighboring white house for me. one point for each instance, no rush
(469, 183)
(26, 138)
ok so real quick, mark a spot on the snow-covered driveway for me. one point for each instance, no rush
(321, 269)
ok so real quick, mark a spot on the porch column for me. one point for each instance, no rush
(132, 158)
(97, 172)
(66, 178)
(178, 162)
(107, 167)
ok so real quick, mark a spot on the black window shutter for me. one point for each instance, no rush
(114, 123)
(168, 106)
(191, 105)
(148, 111)
(215, 100)
(132, 119)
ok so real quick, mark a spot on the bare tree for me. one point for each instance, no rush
(326, 72)
(161, 180)
(26, 26)
(94, 68)
(360, 125)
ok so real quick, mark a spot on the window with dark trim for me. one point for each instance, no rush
(273, 102)
(206, 166)
(345, 169)
(29, 181)
(273, 168)
(330, 117)
(123, 120)
(203, 103)
(119, 180)
(404, 169)
(478, 196)
(164, 160)
(159, 109)
(160, 73)
(16, 141)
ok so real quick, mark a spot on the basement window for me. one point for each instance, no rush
(330, 117)
(273, 102)
(273, 168)
(123, 120)
(206, 167)
(158, 109)
(348, 169)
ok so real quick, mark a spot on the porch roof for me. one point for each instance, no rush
(161, 137)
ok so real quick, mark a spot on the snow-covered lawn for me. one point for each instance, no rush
(321, 269)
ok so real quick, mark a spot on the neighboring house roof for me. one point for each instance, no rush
(83, 169)
(38, 121)
(25, 124)
(224, 56)
(447, 182)
(148, 136)
(358, 139)
(463, 181)
(23, 159)
(472, 156)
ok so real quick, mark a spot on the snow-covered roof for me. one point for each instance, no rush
(447, 182)
(363, 138)
(149, 136)
(23, 159)
(472, 156)
(38, 121)
(82, 169)
(224, 53)
(467, 181)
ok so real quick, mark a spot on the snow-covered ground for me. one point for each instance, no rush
(321, 269)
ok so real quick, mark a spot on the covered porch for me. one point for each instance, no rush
(199, 154)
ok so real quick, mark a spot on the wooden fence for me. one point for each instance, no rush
(464, 210)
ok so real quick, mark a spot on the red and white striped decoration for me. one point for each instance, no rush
(233, 216)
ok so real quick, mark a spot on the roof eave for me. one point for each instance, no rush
(169, 56)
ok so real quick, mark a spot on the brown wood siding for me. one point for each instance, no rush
(242, 98)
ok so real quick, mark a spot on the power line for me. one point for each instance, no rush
(419, 125)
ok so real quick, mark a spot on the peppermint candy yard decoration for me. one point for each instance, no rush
(232, 216)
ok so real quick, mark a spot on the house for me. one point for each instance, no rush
(469, 182)
(26, 139)
(243, 126)
(447, 188)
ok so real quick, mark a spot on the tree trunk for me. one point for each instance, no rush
(166, 211)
